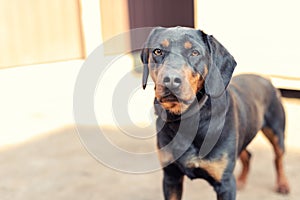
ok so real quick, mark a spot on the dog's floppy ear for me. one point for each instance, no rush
(144, 58)
(220, 69)
(145, 53)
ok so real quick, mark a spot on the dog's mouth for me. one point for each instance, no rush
(169, 98)
(172, 98)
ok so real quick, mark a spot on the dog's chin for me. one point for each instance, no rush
(169, 98)
(174, 105)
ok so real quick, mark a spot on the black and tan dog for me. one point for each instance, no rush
(203, 125)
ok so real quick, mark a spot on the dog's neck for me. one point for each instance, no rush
(167, 116)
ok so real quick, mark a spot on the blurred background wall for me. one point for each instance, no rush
(34, 31)
(51, 40)
(262, 35)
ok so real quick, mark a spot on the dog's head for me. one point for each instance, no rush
(182, 61)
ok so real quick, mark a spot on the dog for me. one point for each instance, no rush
(205, 117)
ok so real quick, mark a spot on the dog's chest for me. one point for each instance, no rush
(194, 167)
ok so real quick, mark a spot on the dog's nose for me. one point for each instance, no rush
(172, 81)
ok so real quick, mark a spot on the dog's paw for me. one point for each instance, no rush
(283, 187)
(240, 184)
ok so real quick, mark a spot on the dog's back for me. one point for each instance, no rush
(255, 98)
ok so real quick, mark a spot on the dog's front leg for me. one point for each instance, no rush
(172, 183)
(226, 190)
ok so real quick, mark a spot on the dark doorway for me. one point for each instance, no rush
(290, 93)
(151, 13)
(167, 13)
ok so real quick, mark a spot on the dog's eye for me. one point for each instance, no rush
(158, 52)
(195, 53)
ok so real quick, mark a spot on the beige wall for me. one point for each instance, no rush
(263, 35)
(35, 31)
(114, 17)
(114, 21)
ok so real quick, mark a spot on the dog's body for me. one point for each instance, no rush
(202, 124)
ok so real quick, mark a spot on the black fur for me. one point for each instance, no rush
(222, 120)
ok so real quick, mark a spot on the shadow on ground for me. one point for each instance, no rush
(57, 166)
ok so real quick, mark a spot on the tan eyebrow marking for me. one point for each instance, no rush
(187, 45)
(165, 43)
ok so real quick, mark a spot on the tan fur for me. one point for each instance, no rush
(215, 168)
(195, 83)
(165, 157)
(173, 196)
(175, 107)
(165, 43)
(242, 179)
(282, 183)
(205, 72)
(187, 45)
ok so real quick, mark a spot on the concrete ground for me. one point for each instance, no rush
(42, 157)
(55, 165)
